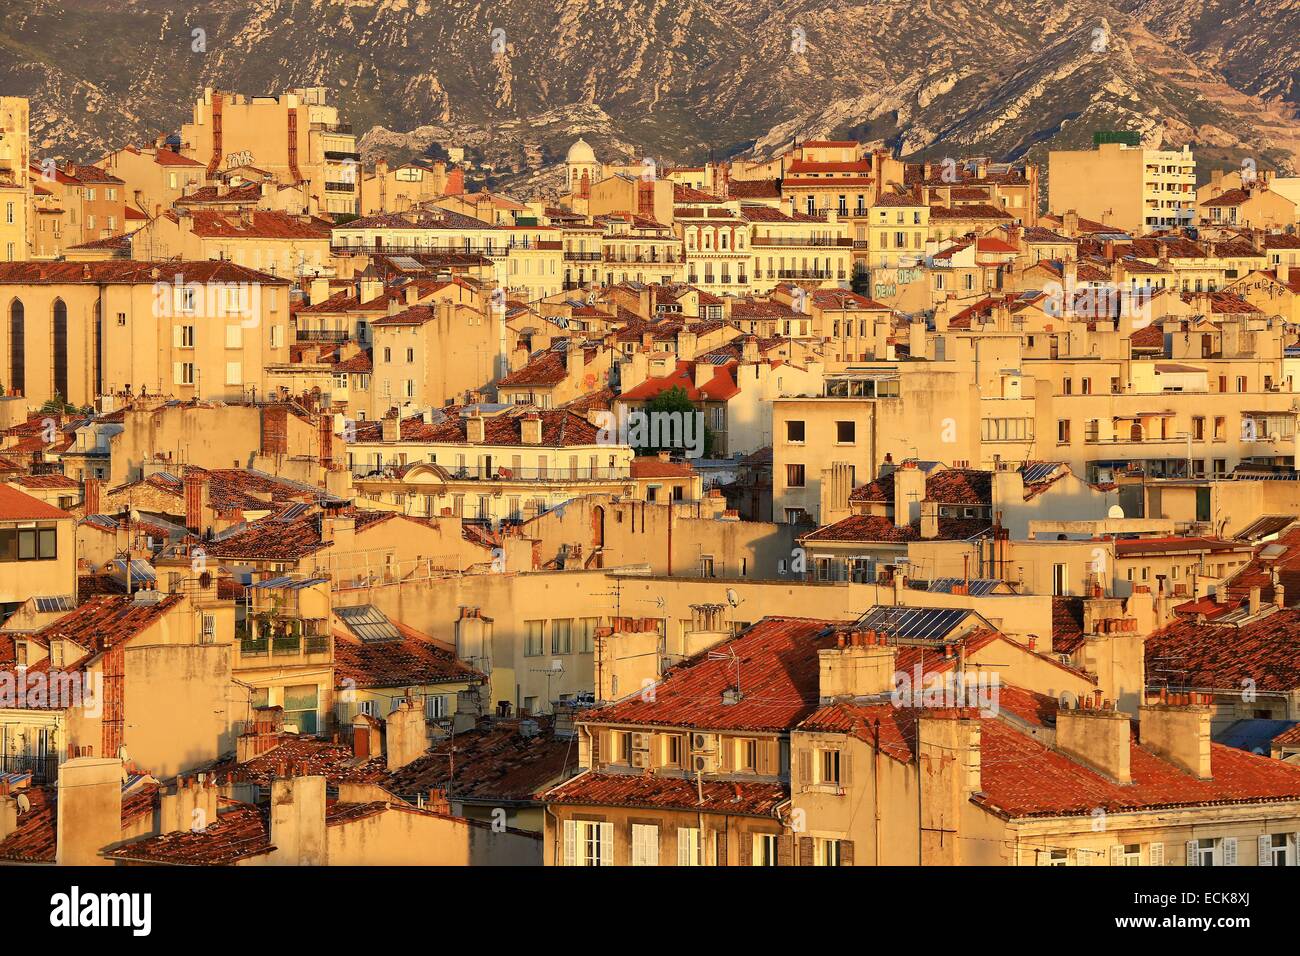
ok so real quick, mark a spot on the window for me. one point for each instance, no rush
(794, 476)
(828, 852)
(1063, 431)
(534, 645)
(1057, 858)
(645, 844)
(673, 749)
(689, 847)
(587, 634)
(828, 767)
(234, 373)
(1212, 851)
(28, 544)
(588, 843)
(845, 432)
(300, 707)
(1277, 849)
(435, 706)
(1060, 580)
(794, 432)
(410, 355)
(234, 337)
(562, 636)
(706, 566)
(746, 754)
(764, 849)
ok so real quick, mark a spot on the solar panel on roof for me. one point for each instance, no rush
(292, 512)
(1036, 471)
(913, 622)
(55, 603)
(406, 263)
(977, 587)
(368, 623)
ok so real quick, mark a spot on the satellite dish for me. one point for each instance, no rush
(24, 804)
(732, 597)
(1115, 511)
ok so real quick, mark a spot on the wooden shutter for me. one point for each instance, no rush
(745, 849)
(685, 846)
(785, 850)
(727, 753)
(1193, 858)
(805, 767)
(176, 336)
(1266, 850)
(1229, 851)
(595, 746)
(846, 853)
(845, 780)
(570, 842)
(177, 373)
(1294, 840)
(1117, 855)
(1156, 854)
(805, 851)
(606, 844)
(720, 847)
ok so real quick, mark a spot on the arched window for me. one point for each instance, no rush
(61, 349)
(17, 347)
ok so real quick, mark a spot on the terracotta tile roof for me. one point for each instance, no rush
(17, 506)
(432, 217)
(653, 792)
(1067, 624)
(259, 224)
(1232, 197)
(973, 211)
(754, 189)
(412, 660)
(719, 388)
(493, 762)
(688, 194)
(1020, 777)
(1148, 337)
(834, 299)
(273, 539)
(561, 427)
(1265, 650)
(244, 193)
(877, 528)
(779, 672)
(120, 271)
(951, 486)
(546, 368)
(35, 838)
(305, 755)
(241, 831)
(649, 466)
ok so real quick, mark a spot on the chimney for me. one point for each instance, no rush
(1098, 737)
(391, 428)
(861, 666)
(325, 439)
(341, 530)
(191, 805)
(196, 499)
(1283, 273)
(909, 490)
(298, 821)
(530, 429)
(90, 495)
(1252, 605)
(1279, 594)
(948, 758)
(89, 810)
(1178, 729)
(929, 520)
(749, 349)
(474, 428)
(1070, 223)
(405, 735)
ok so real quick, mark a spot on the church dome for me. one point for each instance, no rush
(580, 152)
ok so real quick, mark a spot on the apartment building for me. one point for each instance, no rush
(491, 464)
(276, 243)
(1128, 187)
(296, 136)
(794, 247)
(187, 329)
(405, 186)
(154, 177)
(15, 188)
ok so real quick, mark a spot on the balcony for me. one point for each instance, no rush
(283, 641)
(803, 241)
(582, 256)
(332, 336)
(503, 473)
(340, 187)
(339, 155)
(345, 128)
(44, 768)
(804, 274)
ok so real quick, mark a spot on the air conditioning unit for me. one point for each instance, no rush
(640, 759)
(704, 763)
(704, 743)
(641, 741)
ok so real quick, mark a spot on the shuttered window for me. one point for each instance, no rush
(645, 844)
(688, 846)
